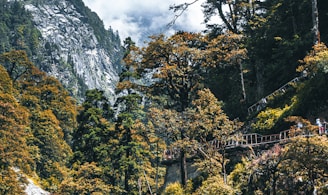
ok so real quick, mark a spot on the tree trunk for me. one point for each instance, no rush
(219, 7)
(183, 168)
(127, 172)
(274, 183)
(259, 79)
(315, 20)
(223, 167)
(126, 181)
(242, 80)
(252, 8)
(157, 162)
(148, 185)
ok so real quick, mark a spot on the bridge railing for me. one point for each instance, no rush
(244, 140)
(261, 104)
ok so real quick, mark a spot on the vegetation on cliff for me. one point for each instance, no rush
(200, 88)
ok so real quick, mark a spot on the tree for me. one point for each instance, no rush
(266, 171)
(211, 123)
(214, 185)
(277, 37)
(297, 167)
(51, 117)
(226, 41)
(173, 127)
(305, 168)
(14, 129)
(17, 28)
(130, 150)
(313, 94)
(87, 179)
(234, 14)
(322, 8)
(14, 137)
(239, 177)
(180, 63)
(133, 158)
(315, 21)
(197, 126)
(91, 138)
(41, 92)
(54, 151)
(9, 185)
(227, 56)
(315, 61)
(174, 188)
(16, 63)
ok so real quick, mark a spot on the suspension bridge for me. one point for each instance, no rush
(243, 141)
(251, 139)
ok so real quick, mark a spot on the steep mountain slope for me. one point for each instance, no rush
(72, 50)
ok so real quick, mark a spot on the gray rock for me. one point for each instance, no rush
(74, 55)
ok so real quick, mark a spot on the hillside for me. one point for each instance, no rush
(66, 40)
(238, 109)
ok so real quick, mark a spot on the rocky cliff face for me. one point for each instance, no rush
(72, 52)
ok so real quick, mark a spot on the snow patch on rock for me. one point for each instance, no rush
(32, 189)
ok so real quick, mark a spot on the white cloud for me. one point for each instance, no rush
(140, 18)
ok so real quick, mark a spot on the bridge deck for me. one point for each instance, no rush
(258, 106)
(245, 140)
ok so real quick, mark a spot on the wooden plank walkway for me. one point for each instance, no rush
(251, 139)
(254, 139)
(244, 141)
(261, 104)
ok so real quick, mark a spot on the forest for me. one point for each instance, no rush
(180, 100)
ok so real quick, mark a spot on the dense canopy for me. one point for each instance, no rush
(180, 122)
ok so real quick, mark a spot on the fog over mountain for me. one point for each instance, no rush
(139, 19)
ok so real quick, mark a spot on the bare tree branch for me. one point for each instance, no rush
(179, 10)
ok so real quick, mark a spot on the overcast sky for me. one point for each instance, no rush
(141, 18)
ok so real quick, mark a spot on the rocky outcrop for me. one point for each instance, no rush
(72, 52)
(173, 172)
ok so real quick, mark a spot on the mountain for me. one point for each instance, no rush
(75, 47)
